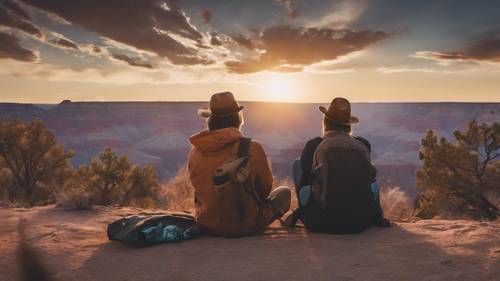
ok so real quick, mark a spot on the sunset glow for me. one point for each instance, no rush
(279, 87)
(297, 51)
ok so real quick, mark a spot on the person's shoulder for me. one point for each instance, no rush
(364, 141)
(311, 145)
(256, 146)
(314, 141)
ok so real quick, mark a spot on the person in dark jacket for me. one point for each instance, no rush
(303, 166)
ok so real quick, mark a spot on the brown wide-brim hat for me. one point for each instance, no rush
(339, 112)
(221, 105)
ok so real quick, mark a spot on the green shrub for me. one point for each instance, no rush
(457, 178)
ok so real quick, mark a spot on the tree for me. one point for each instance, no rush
(455, 177)
(36, 163)
(111, 179)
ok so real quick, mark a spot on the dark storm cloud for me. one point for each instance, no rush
(288, 48)
(64, 43)
(206, 16)
(487, 50)
(290, 9)
(133, 61)
(13, 16)
(146, 25)
(11, 49)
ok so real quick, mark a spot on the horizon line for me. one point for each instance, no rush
(243, 101)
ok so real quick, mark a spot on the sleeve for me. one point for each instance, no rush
(373, 169)
(306, 160)
(365, 142)
(262, 169)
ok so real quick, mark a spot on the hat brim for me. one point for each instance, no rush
(206, 112)
(352, 119)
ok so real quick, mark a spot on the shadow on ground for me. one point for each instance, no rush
(77, 248)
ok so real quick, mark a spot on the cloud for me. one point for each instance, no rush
(340, 15)
(14, 8)
(13, 16)
(133, 61)
(284, 46)
(64, 43)
(397, 70)
(485, 50)
(290, 8)
(215, 40)
(150, 26)
(206, 16)
(11, 49)
(243, 41)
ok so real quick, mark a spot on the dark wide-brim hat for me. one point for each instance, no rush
(221, 105)
(339, 112)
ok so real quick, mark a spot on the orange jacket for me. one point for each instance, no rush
(210, 150)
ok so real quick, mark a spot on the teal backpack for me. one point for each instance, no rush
(153, 229)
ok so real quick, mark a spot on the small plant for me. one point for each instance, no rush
(396, 204)
(456, 179)
(110, 179)
(34, 166)
(178, 193)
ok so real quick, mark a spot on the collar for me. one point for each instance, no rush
(332, 133)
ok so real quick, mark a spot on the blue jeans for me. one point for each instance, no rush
(303, 192)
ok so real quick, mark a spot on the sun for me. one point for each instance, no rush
(279, 87)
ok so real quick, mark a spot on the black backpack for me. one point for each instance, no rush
(128, 230)
(341, 201)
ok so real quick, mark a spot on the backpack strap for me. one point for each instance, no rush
(262, 203)
(242, 152)
(244, 147)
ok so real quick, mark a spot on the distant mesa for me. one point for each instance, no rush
(66, 101)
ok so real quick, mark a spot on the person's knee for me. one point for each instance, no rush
(281, 199)
(304, 195)
(284, 193)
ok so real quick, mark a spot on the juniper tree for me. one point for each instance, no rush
(114, 180)
(455, 177)
(37, 165)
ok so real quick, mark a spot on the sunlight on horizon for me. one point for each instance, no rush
(278, 87)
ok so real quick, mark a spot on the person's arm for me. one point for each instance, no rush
(262, 170)
(306, 160)
(373, 169)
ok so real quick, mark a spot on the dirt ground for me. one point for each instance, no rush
(74, 246)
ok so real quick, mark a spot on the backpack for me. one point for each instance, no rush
(134, 229)
(234, 187)
(341, 201)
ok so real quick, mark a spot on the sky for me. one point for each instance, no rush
(264, 50)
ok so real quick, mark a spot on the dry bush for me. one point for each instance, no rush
(396, 204)
(178, 193)
(75, 198)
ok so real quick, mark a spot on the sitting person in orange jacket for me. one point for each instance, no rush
(240, 202)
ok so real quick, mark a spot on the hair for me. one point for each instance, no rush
(329, 125)
(235, 120)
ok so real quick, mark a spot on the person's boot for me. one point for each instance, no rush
(380, 221)
(288, 220)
